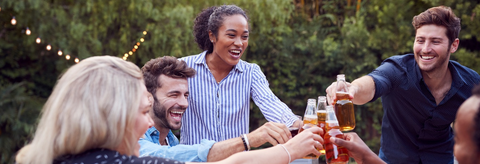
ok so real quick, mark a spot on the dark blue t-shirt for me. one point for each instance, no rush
(415, 129)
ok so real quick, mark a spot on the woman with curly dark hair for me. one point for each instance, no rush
(220, 93)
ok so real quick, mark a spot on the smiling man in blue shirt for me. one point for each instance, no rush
(420, 92)
(166, 79)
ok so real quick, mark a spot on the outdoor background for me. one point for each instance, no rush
(301, 45)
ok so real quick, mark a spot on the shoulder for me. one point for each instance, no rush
(401, 59)
(194, 58)
(468, 75)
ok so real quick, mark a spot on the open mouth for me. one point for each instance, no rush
(176, 115)
(235, 52)
(426, 57)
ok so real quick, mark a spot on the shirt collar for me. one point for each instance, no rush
(201, 59)
(151, 131)
(457, 79)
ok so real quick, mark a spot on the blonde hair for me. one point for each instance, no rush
(93, 105)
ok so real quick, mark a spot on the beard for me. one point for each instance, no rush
(160, 112)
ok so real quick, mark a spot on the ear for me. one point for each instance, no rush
(454, 45)
(212, 37)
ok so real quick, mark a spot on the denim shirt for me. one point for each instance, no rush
(414, 128)
(149, 146)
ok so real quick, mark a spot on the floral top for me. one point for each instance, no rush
(105, 156)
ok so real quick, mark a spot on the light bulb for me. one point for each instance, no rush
(124, 58)
(38, 40)
(60, 53)
(144, 32)
(138, 43)
(14, 21)
(76, 60)
(141, 40)
(126, 55)
(130, 53)
(49, 47)
(28, 32)
(67, 57)
(136, 47)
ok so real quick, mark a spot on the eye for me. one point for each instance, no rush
(245, 37)
(419, 41)
(231, 35)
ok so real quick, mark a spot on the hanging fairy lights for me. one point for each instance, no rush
(27, 31)
(135, 47)
(48, 47)
(13, 21)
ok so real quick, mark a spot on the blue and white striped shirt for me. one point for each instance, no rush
(220, 111)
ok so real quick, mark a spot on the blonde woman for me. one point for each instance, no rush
(99, 109)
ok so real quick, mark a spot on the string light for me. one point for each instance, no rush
(138, 43)
(124, 58)
(130, 53)
(38, 40)
(60, 53)
(0, 8)
(67, 57)
(49, 47)
(126, 55)
(136, 47)
(76, 60)
(14, 21)
(141, 40)
(144, 32)
(28, 32)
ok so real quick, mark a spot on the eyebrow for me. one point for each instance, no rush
(177, 92)
(246, 31)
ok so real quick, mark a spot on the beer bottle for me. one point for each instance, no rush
(322, 115)
(310, 120)
(334, 154)
(344, 105)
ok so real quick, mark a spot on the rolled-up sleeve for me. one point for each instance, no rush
(184, 153)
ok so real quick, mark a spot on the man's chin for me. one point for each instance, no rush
(176, 126)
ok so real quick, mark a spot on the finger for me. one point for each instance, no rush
(272, 140)
(279, 132)
(341, 143)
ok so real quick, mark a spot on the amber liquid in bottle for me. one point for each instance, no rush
(335, 154)
(308, 122)
(344, 112)
(322, 115)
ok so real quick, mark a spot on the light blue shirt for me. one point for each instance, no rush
(220, 111)
(150, 146)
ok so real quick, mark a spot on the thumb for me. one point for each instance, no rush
(340, 142)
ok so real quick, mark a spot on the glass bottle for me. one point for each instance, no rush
(310, 120)
(322, 115)
(334, 154)
(344, 105)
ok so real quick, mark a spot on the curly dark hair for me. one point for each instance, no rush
(211, 19)
(441, 16)
(167, 65)
(476, 125)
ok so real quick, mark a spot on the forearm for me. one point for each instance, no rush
(274, 154)
(224, 149)
(372, 158)
(365, 90)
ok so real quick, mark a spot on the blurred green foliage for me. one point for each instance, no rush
(301, 45)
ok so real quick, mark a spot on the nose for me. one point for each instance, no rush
(150, 121)
(183, 101)
(426, 48)
(238, 42)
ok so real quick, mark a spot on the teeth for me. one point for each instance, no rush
(235, 51)
(427, 57)
(176, 112)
